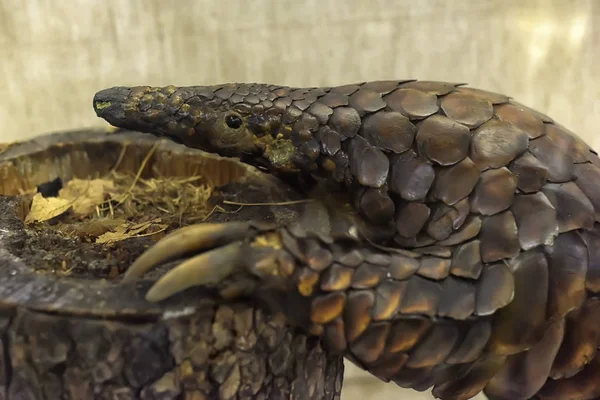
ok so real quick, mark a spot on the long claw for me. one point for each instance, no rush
(210, 267)
(185, 241)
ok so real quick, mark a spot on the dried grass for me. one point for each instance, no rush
(124, 205)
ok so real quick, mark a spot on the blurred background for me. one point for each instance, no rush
(54, 55)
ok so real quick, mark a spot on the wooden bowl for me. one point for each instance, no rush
(69, 329)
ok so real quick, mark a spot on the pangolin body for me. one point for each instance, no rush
(479, 267)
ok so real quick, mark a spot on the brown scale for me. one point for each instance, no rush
(468, 385)
(441, 223)
(496, 143)
(536, 113)
(467, 109)
(473, 343)
(587, 177)
(536, 220)
(519, 325)
(495, 289)
(367, 276)
(357, 313)
(521, 118)
(594, 159)
(411, 218)
(581, 341)
(410, 177)
(389, 131)
(377, 206)
(433, 87)
(336, 278)
(435, 346)
(422, 296)
(567, 267)
(368, 164)
(499, 203)
(370, 345)
(458, 299)
(330, 141)
(402, 267)
(419, 379)
(533, 365)
(499, 237)
(387, 299)
(434, 268)
(334, 336)
(558, 163)
(366, 101)
(415, 104)
(493, 98)
(573, 209)
(466, 260)
(463, 207)
(388, 365)
(531, 174)
(583, 385)
(469, 230)
(576, 148)
(494, 191)
(445, 149)
(382, 87)
(333, 100)
(592, 242)
(456, 182)
(327, 307)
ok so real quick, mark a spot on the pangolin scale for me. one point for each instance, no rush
(463, 244)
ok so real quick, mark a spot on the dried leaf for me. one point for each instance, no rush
(92, 228)
(86, 195)
(128, 230)
(44, 209)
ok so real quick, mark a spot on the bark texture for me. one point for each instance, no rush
(218, 352)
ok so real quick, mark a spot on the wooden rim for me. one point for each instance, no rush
(77, 154)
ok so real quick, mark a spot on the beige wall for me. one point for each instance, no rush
(55, 54)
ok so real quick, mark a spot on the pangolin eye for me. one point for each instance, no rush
(233, 121)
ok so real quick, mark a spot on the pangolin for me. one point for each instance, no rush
(460, 248)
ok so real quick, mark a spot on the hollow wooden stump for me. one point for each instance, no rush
(88, 336)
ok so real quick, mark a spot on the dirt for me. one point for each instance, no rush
(72, 245)
(67, 245)
(101, 244)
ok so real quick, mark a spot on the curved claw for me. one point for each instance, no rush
(185, 241)
(210, 267)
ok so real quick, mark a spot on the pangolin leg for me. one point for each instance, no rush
(395, 313)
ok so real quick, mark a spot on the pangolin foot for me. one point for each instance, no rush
(211, 253)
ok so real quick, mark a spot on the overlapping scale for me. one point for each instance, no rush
(496, 143)
(467, 109)
(390, 131)
(520, 324)
(523, 374)
(442, 140)
(413, 103)
(499, 205)
(581, 341)
(521, 118)
(567, 267)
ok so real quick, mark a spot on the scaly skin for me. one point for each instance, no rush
(466, 255)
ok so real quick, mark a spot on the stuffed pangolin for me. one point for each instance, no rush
(458, 247)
